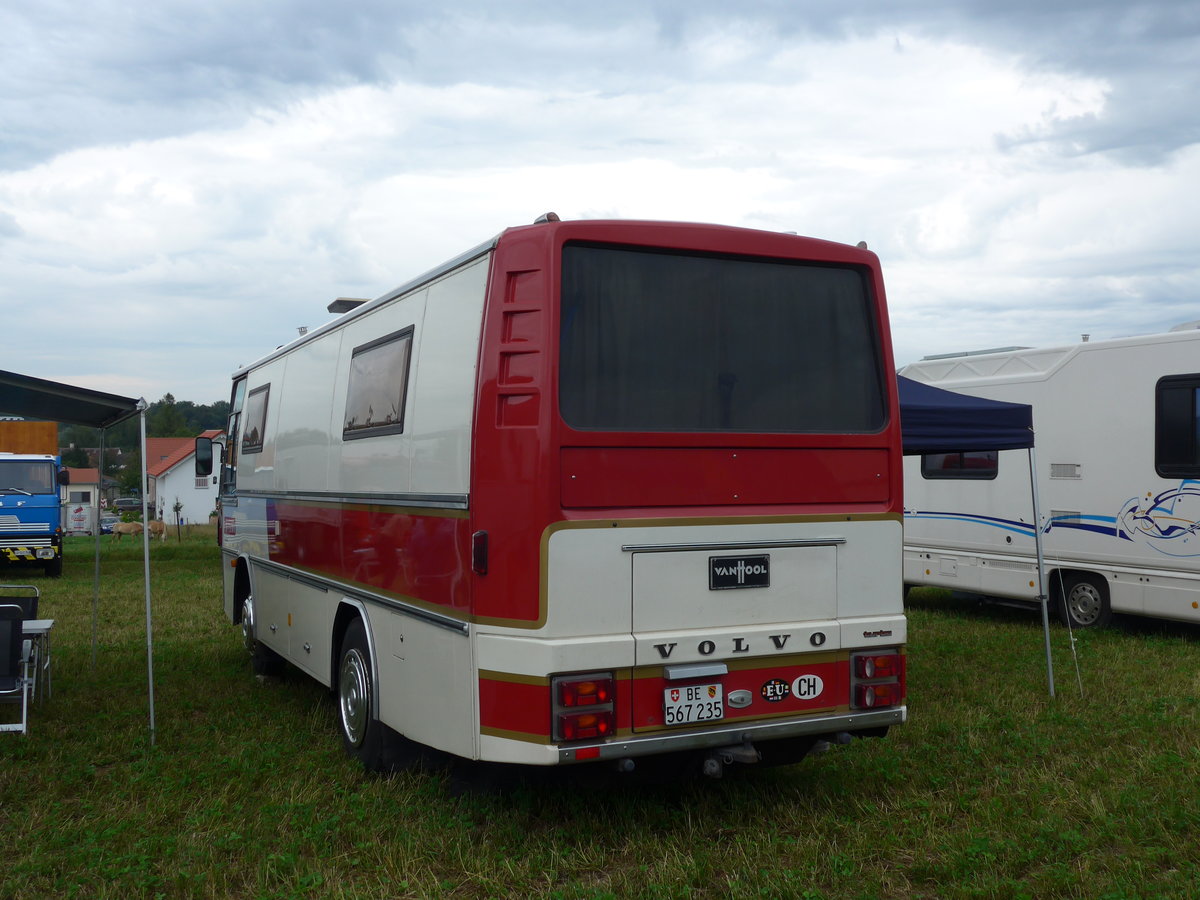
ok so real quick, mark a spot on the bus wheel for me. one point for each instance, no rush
(263, 660)
(54, 568)
(1083, 601)
(248, 639)
(362, 735)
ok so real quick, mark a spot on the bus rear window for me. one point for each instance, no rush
(671, 342)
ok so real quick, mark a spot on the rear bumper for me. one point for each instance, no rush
(735, 734)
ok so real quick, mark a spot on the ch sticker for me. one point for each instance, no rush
(808, 687)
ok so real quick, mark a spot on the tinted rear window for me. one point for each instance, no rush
(655, 341)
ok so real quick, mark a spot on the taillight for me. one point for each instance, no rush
(885, 666)
(584, 706)
(877, 679)
(580, 726)
(870, 696)
(585, 692)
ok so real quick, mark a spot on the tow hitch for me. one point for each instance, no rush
(715, 762)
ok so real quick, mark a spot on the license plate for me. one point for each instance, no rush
(693, 703)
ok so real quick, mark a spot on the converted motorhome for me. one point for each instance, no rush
(1118, 477)
(593, 490)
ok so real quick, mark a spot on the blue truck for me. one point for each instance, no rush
(31, 532)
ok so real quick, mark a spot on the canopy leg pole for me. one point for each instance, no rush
(1043, 595)
(146, 567)
(96, 532)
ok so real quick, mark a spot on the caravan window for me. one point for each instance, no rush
(256, 419)
(1176, 427)
(980, 464)
(378, 384)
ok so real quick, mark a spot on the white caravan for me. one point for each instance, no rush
(1118, 473)
(576, 496)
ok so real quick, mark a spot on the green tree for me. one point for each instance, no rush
(129, 477)
(164, 419)
(76, 458)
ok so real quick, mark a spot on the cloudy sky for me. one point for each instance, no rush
(184, 184)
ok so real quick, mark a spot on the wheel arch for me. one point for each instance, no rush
(1063, 578)
(1057, 576)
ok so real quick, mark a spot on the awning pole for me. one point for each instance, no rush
(1041, 565)
(96, 532)
(146, 566)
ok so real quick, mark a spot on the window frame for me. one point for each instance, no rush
(1186, 468)
(404, 337)
(256, 447)
(962, 472)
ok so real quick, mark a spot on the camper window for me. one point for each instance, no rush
(256, 419)
(378, 384)
(976, 464)
(1176, 427)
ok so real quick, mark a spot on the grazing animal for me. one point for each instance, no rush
(133, 529)
(158, 529)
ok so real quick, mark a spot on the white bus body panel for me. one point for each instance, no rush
(1094, 424)
(304, 456)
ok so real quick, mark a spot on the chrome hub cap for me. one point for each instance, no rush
(354, 696)
(1084, 604)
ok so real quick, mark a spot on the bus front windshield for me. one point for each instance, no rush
(26, 477)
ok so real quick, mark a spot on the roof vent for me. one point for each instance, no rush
(546, 217)
(345, 304)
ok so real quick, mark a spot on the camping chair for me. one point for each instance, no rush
(16, 675)
(26, 596)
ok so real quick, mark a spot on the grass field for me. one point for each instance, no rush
(991, 790)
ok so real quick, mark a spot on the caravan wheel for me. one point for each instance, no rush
(1083, 601)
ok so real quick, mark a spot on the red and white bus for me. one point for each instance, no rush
(594, 490)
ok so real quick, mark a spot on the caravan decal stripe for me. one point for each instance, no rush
(990, 521)
(1105, 525)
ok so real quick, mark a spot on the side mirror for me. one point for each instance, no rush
(64, 477)
(204, 457)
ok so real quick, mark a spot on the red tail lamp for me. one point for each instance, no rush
(871, 696)
(584, 706)
(585, 692)
(580, 726)
(886, 666)
(877, 680)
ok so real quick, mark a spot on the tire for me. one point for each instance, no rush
(54, 567)
(1083, 601)
(364, 737)
(263, 660)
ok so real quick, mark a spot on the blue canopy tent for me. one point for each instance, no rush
(933, 420)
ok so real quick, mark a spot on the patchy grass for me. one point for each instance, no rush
(991, 790)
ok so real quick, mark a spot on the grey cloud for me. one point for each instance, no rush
(123, 72)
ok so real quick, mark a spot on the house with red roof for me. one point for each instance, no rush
(171, 470)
